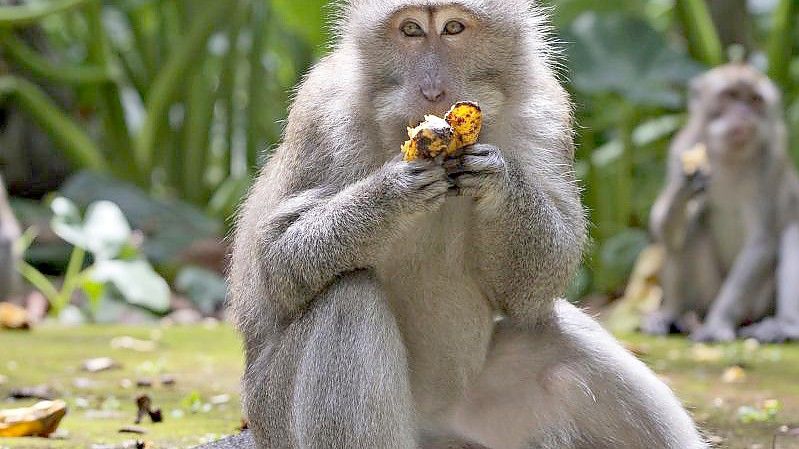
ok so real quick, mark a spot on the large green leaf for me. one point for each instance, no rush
(169, 226)
(206, 289)
(106, 229)
(136, 281)
(624, 55)
(67, 223)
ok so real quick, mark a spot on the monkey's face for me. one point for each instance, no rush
(422, 59)
(739, 106)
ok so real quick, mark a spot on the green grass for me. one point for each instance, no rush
(206, 362)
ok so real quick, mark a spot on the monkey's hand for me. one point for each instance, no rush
(697, 182)
(479, 171)
(420, 185)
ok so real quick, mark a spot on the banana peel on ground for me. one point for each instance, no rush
(643, 294)
(13, 317)
(38, 420)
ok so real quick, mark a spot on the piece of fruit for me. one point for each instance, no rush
(427, 140)
(39, 420)
(466, 120)
(436, 136)
(695, 160)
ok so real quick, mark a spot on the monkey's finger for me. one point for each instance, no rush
(479, 149)
(481, 164)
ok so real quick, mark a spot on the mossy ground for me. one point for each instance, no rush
(206, 362)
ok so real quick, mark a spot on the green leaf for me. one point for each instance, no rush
(619, 254)
(42, 67)
(26, 14)
(136, 281)
(67, 223)
(169, 81)
(71, 137)
(107, 230)
(204, 288)
(703, 38)
(623, 55)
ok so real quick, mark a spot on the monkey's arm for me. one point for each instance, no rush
(288, 253)
(530, 228)
(670, 217)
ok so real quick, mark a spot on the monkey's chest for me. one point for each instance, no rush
(442, 313)
(729, 212)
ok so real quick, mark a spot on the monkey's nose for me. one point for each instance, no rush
(433, 93)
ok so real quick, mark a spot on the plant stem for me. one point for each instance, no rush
(169, 81)
(78, 147)
(41, 67)
(703, 38)
(781, 44)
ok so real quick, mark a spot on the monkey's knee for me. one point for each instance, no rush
(351, 387)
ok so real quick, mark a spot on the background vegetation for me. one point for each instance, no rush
(168, 107)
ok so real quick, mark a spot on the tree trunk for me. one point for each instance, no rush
(9, 233)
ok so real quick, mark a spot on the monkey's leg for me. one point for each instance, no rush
(570, 385)
(337, 378)
(785, 324)
(691, 278)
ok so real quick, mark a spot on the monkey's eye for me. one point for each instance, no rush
(453, 27)
(412, 29)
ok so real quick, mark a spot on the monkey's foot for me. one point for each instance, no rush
(243, 440)
(658, 323)
(771, 330)
(714, 334)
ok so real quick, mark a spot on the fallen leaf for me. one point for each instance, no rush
(98, 364)
(704, 353)
(39, 420)
(42, 392)
(144, 383)
(733, 375)
(220, 399)
(133, 344)
(13, 317)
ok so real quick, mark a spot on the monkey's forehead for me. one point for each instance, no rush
(380, 10)
(738, 75)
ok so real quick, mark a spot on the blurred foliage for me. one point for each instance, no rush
(182, 99)
(117, 272)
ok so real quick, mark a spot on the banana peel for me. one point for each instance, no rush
(435, 136)
(38, 420)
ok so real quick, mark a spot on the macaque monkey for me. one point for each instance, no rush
(9, 233)
(387, 304)
(730, 222)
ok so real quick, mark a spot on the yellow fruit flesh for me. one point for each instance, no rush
(695, 160)
(435, 135)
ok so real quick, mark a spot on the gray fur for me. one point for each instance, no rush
(367, 293)
(732, 253)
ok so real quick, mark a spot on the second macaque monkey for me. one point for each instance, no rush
(729, 215)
